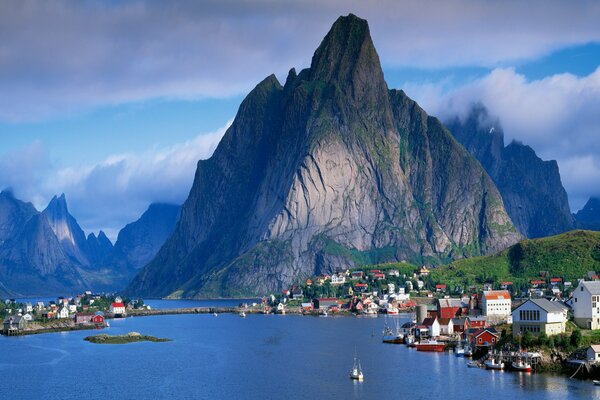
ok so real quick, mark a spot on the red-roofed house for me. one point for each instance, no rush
(98, 319)
(485, 337)
(440, 287)
(555, 280)
(496, 305)
(118, 309)
(360, 287)
(538, 282)
(378, 276)
(357, 275)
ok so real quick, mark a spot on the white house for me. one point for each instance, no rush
(496, 305)
(28, 308)
(593, 353)
(117, 308)
(72, 308)
(539, 315)
(27, 317)
(586, 304)
(446, 326)
(391, 288)
(62, 312)
(433, 325)
(338, 279)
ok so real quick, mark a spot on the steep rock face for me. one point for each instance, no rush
(531, 188)
(330, 170)
(67, 230)
(98, 248)
(139, 241)
(589, 216)
(13, 215)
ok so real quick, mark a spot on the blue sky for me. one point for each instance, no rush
(113, 103)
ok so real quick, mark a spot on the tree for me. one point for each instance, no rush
(551, 342)
(575, 338)
(542, 339)
(527, 339)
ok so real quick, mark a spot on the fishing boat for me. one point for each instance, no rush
(242, 314)
(356, 372)
(468, 351)
(430, 345)
(493, 364)
(473, 364)
(409, 340)
(389, 336)
(521, 365)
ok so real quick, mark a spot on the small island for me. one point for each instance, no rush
(131, 337)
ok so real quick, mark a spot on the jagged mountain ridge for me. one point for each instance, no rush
(328, 170)
(531, 188)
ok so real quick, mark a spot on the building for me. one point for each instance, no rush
(117, 308)
(13, 324)
(448, 308)
(440, 287)
(360, 287)
(539, 315)
(98, 318)
(81, 318)
(63, 312)
(446, 326)
(586, 304)
(496, 305)
(297, 293)
(485, 337)
(593, 353)
(460, 324)
(357, 275)
(433, 326)
(338, 279)
(325, 302)
(477, 321)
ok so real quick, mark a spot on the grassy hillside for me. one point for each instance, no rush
(569, 255)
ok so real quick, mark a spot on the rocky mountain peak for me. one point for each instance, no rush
(589, 216)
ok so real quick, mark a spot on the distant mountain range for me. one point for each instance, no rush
(326, 172)
(589, 216)
(531, 188)
(47, 253)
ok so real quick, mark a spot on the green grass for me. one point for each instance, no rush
(131, 337)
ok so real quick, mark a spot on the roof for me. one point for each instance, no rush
(459, 320)
(445, 321)
(496, 295)
(450, 303)
(428, 321)
(596, 348)
(483, 330)
(593, 287)
(546, 305)
(538, 282)
(118, 305)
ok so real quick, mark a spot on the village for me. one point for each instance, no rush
(84, 311)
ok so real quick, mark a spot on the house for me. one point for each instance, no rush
(424, 271)
(593, 353)
(324, 303)
(13, 324)
(357, 275)
(280, 308)
(307, 307)
(338, 279)
(63, 312)
(448, 308)
(391, 288)
(440, 287)
(378, 276)
(81, 318)
(537, 283)
(321, 280)
(308, 282)
(586, 304)
(496, 305)
(286, 293)
(539, 315)
(433, 326)
(28, 308)
(460, 324)
(485, 337)
(360, 287)
(393, 272)
(28, 317)
(98, 318)
(477, 321)
(117, 308)
(72, 308)
(39, 306)
(446, 326)
(297, 293)
(505, 285)
(555, 281)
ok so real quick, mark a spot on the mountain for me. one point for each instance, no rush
(589, 216)
(328, 171)
(13, 215)
(569, 256)
(67, 230)
(531, 188)
(99, 248)
(139, 241)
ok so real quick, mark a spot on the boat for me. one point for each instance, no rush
(473, 364)
(389, 336)
(409, 340)
(468, 351)
(459, 352)
(215, 314)
(242, 314)
(430, 345)
(356, 372)
(520, 365)
(597, 383)
(493, 364)
(391, 310)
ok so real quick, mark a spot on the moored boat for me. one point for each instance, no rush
(473, 364)
(356, 372)
(430, 345)
(391, 336)
(597, 383)
(459, 352)
(242, 314)
(520, 365)
(468, 351)
(493, 364)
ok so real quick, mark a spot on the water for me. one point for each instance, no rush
(257, 357)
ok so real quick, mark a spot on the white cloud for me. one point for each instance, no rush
(557, 116)
(61, 56)
(114, 192)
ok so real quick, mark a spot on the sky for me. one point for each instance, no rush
(114, 102)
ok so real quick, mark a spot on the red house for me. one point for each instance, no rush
(98, 319)
(440, 287)
(360, 287)
(477, 322)
(555, 280)
(378, 276)
(486, 337)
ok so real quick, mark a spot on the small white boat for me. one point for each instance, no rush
(521, 365)
(468, 351)
(459, 352)
(597, 383)
(473, 364)
(215, 314)
(107, 324)
(242, 314)
(493, 364)
(356, 372)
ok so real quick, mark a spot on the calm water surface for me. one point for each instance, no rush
(258, 357)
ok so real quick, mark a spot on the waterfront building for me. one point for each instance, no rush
(63, 312)
(496, 305)
(586, 304)
(117, 308)
(460, 324)
(297, 293)
(448, 308)
(539, 315)
(433, 326)
(81, 318)
(593, 353)
(485, 337)
(446, 326)
(13, 324)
